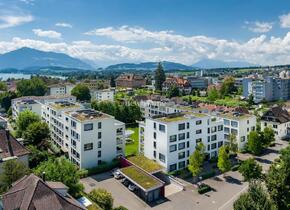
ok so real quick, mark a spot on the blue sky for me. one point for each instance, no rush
(113, 31)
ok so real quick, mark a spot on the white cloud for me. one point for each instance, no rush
(285, 21)
(48, 34)
(27, 1)
(7, 21)
(64, 25)
(164, 45)
(259, 27)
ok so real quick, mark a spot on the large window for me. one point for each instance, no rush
(181, 126)
(173, 138)
(198, 131)
(181, 164)
(213, 137)
(198, 122)
(88, 127)
(99, 154)
(99, 135)
(227, 130)
(88, 146)
(181, 145)
(220, 127)
(73, 124)
(181, 155)
(181, 136)
(172, 148)
(226, 122)
(234, 123)
(99, 125)
(172, 167)
(213, 146)
(161, 157)
(162, 128)
(99, 144)
(198, 140)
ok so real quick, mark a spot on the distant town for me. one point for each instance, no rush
(202, 139)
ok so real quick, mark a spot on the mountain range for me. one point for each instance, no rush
(28, 58)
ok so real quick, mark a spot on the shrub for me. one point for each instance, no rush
(203, 188)
(103, 167)
(213, 160)
(103, 198)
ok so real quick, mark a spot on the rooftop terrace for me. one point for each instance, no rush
(64, 105)
(87, 114)
(235, 116)
(179, 116)
(146, 164)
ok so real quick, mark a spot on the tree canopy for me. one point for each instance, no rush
(228, 86)
(196, 160)
(159, 77)
(31, 87)
(103, 198)
(254, 143)
(36, 132)
(24, 119)
(173, 91)
(250, 170)
(268, 136)
(81, 92)
(224, 163)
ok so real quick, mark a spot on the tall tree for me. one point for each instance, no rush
(196, 160)
(36, 132)
(255, 199)
(233, 146)
(159, 77)
(268, 136)
(173, 91)
(32, 87)
(212, 94)
(81, 92)
(228, 86)
(278, 180)
(24, 119)
(250, 170)
(12, 171)
(224, 163)
(62, 170)
(254, 143)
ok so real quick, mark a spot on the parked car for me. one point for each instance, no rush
(125, 182)
(132, 187)
(118, 175)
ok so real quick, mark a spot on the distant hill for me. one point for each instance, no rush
(26, 58)
(148, 66)
(210, 64)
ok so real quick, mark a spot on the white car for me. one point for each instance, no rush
(132, 187)
(118, 175)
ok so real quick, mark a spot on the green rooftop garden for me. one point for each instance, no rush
(146, 164)
(172, 119)
(140, 177)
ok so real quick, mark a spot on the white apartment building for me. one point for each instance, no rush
(171, 139)
(240, 125)
(103, 95)
(60, 89)
(34, 103)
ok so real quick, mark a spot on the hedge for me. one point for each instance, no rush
(208, 174)
(103, 167)
(204, 189)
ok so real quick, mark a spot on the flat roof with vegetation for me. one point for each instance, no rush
(146, 164)
(181, 116)
(141, 178)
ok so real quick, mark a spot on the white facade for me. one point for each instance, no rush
(103, 95)
(280, 129)
(60, 89)
(240, 125)
(172, 139)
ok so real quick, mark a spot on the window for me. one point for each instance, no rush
(181, 145)
(154, 125)
(173, 138)
(74, 143)
(173, 148)
(154, 135)
(253, 128)
(181, 155)
(173, 167)
(99, 125)
(88, 127)
(213, 137)
(220, 144)
(187, 135)
(275, 126)
(99, 144)
(213, 129)
(188, 153)
(226, 122)
(181, 126)
(162, 128)
(220, 127)
(234, 123)
(99, 154)
(198, 122)
(187, 125)
(234, 131)
(99, 135)
(265, 124)
(73, 124)
(198, 140)
(213, 146)
(181, 164)
(88, 146)
(187, 144)
(154, 144)
(161, 157)
(248, 121)
(154, 154)
(198, 131)
(208, 130)
(243, 138)
(181, 136)
(208, 139)
(208, 147)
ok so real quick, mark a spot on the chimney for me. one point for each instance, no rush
(9, 142)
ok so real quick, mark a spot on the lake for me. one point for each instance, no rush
(5, 76)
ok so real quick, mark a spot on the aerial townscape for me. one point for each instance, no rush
(154, 105)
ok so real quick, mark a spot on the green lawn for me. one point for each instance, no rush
(132, 149)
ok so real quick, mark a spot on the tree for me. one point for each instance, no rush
(212, 94)
(196, 160)
(24, 119)
(103, 198)
(62, 170)
(224, 163)
(254, 143)
(37, 156)
(31, 87)
(112, 82)
(36, 132)
(5, 99)
(173, 91)
(12, 171)
(159, 77)
(255, 199)
(251, 100)
(250, 170)
(277, 180)
(81, 92)
(228, 86)
(233, 146)
(268, 136)
(3, 86)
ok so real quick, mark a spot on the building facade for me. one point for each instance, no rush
(103, 95)
(130, 81)
(198, 82)
(60, 89)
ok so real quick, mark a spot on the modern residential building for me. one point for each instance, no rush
(182, 84)
(60, 89)
(31, 192)
(130, 81)
(278, 119)
(198, 82)
(10, 148)
(238, 124)
(103, 95)
(34, 103)
(171, 139)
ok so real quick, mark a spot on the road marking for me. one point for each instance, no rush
(234, 197)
